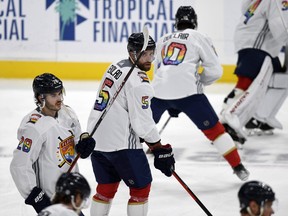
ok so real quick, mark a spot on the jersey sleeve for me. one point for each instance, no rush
(277, 17)
(212, 69)
(139, 101)
(24, 156)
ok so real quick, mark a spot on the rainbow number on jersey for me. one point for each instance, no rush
(101, 104)
(174, 54)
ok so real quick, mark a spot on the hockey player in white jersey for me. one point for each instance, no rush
(119, 153)
(262, 83)
(71, 195)
(46, 148)
(179, 86)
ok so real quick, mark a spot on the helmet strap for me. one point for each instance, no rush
(42, 101)
(133, 56)
(84, 204)
(250, 212)
(261, 210)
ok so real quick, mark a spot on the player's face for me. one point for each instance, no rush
(53, 103)
(146, 60)
(267, 209)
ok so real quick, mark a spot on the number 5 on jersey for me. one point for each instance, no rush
(104, 96)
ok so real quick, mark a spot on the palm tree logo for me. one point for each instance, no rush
(68, 17)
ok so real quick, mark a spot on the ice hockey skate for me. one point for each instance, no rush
(258, 128)
(241, 172)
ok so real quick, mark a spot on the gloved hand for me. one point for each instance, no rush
(85, 146)
(164, 159)
(38, 199)
(174, 113)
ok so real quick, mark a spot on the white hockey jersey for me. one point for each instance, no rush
(179, 56)
(57, 210)
(45, 150)
(263, 25)
(130, 116)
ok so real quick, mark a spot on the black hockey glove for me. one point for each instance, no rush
(174, 113)
(85, 145)
(164, 159)
(38, 199)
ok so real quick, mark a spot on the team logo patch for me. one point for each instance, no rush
(66, 152)
(34, 118)
(143, 76)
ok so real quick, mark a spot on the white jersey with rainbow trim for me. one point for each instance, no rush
(130, 116)
(263, 25)
(57, 210)
(179, 55)
(46, 149)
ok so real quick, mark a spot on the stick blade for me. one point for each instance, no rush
(146, 37)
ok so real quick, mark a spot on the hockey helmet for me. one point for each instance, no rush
(255, 191)
(46, 83)
(71, 184)
(186, 14)
(136, 41)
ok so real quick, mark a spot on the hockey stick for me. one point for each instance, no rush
(191, 194)
(165, 124)
(145, 44)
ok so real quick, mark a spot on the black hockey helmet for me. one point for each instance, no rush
(46, 83)
(136, 41)
(187, 15)
(255, 191)
(71, 184)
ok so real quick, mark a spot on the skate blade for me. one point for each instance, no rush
(258, 132)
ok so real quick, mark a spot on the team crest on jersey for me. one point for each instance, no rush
(66, 152)
(34, 118)
(143, 76)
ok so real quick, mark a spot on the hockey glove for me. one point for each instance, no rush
(174, 113)
(85, 145)
(38, 199)
(164, 159)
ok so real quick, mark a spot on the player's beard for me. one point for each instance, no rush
(145, 66)
(56, 107)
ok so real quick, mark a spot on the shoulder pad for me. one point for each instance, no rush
(34, 118)
(124, 63)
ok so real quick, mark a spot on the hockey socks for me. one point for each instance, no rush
(226, 147)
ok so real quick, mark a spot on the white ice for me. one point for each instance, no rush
(197, 161)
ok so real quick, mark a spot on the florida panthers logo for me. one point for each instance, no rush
(66, 152)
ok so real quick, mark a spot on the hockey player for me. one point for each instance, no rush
(179, 86)
(259, 37)
(119, 154)
(71, 195)
(46, 148)
(256, 198)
